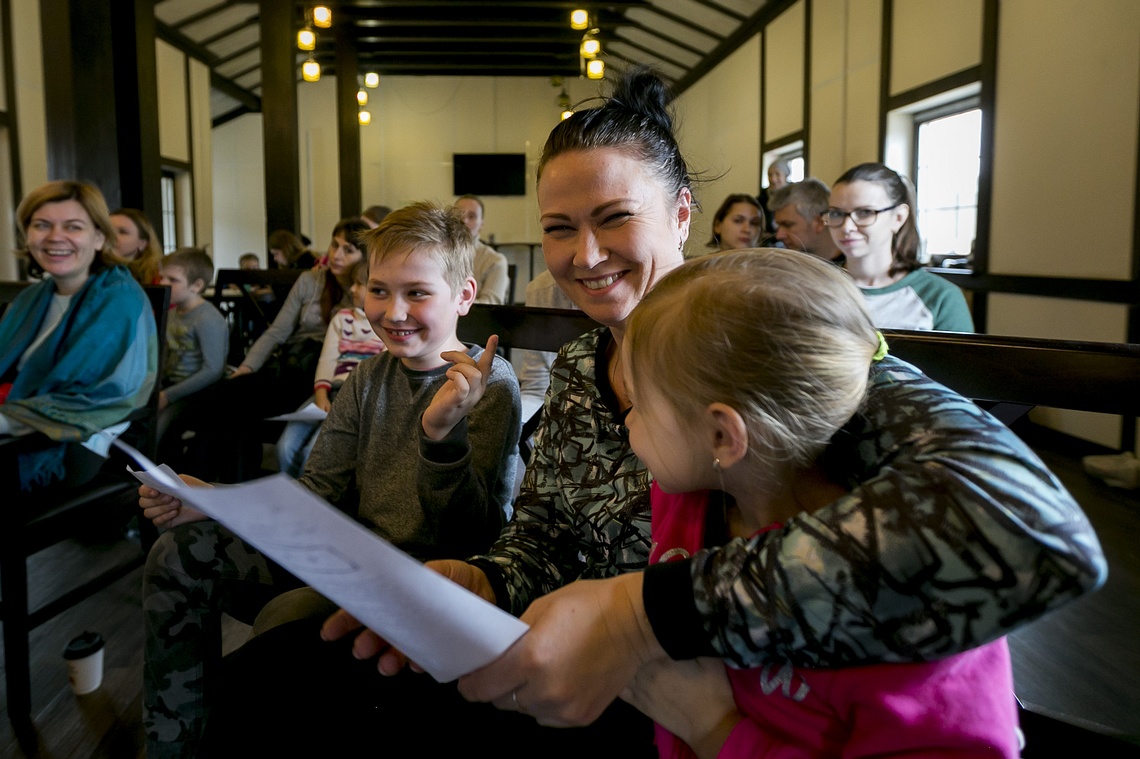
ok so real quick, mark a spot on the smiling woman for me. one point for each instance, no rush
(78, 350)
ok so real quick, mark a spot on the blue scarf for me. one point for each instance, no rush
(95, 367)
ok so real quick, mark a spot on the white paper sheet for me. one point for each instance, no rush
(441, 626)
(310, 413)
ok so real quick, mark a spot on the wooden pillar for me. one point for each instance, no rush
(279, 117)
(102, 101)
(136, 107)
(101, 98)
(347, 124)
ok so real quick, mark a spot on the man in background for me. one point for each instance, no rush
(797, 210)
(490, 265)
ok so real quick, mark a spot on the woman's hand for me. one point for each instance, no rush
(586, 643)
(369, 644)
(321, 399)
(240, 371)
(691, 699)
(168, 511)
(466, 383)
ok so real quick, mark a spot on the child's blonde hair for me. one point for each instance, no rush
(780, 336)
(427, 229)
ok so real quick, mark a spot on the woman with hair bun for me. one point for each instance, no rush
(615, 201)
(871, 219)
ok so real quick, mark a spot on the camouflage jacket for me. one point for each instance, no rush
(953, 532)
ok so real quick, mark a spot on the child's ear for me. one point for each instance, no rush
(729, 434)
(198, 286)
(467, 295)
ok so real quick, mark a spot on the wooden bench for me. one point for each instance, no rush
(109, 498)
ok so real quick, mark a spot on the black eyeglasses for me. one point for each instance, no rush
(863, 217)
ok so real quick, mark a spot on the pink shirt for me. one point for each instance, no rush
(959, 706)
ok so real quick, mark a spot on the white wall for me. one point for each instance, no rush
(418, 123)
(1066, 123)
(239, 191)
(317, 151)
(202, 164)
(719, 131)
(933, 38)
(784, 74)
(845, 63)
(173, 124)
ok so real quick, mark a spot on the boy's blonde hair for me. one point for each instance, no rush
(426, 229)
(780, 336)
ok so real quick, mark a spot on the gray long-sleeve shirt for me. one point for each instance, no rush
(434, 499)
(197, 343)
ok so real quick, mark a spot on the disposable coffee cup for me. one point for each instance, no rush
(84, 656)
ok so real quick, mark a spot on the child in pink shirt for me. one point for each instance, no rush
(741, 368)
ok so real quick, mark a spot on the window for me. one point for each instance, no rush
(947, 163)
(169, 214)
(794, 155)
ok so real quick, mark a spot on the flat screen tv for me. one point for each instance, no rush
(489, 173)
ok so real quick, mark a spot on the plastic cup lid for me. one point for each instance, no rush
(83, 646)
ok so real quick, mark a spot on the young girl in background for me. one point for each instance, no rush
(349, 340)
(778, 352)
(737, 223)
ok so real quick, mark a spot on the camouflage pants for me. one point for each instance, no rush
(194, 573)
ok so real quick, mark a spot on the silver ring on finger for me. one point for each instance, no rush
(515, 701)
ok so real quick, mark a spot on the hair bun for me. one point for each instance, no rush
(643, 91)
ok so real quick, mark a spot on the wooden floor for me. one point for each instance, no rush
(1081, 664)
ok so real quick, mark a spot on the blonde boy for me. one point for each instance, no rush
(419, 445)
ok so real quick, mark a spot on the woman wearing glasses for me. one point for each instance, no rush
(871, 221)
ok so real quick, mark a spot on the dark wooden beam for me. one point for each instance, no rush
(671, 40)
(688, 23)
(279, 117)
(222, 60)
(722, 9)
(231, 30)
(205, 13)
(348, 125)
(229, 116)
(136, 107)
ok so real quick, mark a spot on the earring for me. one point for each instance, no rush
(719, 473)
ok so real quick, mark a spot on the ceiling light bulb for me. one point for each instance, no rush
(362, 97)
(596, 69)
(372, 80)
(579, 19)
(311, 71)
(590, 47)
(322, 17)
(306, 39)
(365, 118)
(567, 114)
